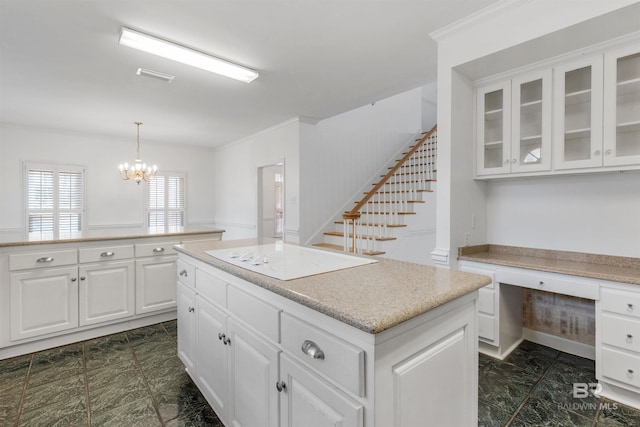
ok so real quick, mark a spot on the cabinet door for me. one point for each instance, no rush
(211, 355)
(106, 291)
(252, 377)
(493, 108)
(155, 284)
(186, 326)
(309, 401)
(578, 114)
(43, 301)
(531, 122)
(622, 106)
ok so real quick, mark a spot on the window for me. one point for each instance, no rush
(165, 201)
(54, 201)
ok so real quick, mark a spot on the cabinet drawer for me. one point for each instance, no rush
(623, 332)
(549, 283)
(106, 253)
(338, 360)
(42, 259)
(186, 273)
(486, 301)
(621, 302)
(621, 366)
(262, 316)
(155, 249)
(486, 328)
(211, 287)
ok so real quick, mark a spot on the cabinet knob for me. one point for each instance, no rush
(629, 337)
(541, 283)
(183, 273)
(158, 250)
(82, 278)
(629, 306)
(281, 386)
(630, 371)
(312, 350)
(221, 336)
(608, 152)
(73, 279)
(107, 254)
(596, 153)
(45, 259)
(513, 161)
(226, 341)
(191, 309)
(506, 161)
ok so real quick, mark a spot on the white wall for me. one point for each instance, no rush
(235, 174)
(339, 155)
(511, 33)
(111, 202)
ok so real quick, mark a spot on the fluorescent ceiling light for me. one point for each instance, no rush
(184, 55)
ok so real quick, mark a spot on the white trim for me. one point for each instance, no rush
(444, 32)
(440, 256)
(115, 226)
(234, 224)
(559, 343)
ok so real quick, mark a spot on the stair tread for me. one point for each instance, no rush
(389, 201)
(402, 191)
(341, 249)
(375, 224)
(369, 237)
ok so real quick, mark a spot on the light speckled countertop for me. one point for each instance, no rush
(111, 234)
(603, 267)
(372, 297)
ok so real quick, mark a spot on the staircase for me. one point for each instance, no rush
(372, 220)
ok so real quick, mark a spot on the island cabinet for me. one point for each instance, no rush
(261, 358)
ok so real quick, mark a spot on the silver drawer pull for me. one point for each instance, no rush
(629, 306)
(45, 259)
(629, 336)
(158, 250)
(630, 371)
(312, 350)
(107, 254)
(183, 273)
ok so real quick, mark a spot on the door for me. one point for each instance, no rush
(253, 373)
(155, 284)
(271, 201)
(306, 400)
(493, 127)
(43, 301)
(211, 355)
(107, 291)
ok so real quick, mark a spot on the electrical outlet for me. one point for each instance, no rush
(473, 221)
(466, 239)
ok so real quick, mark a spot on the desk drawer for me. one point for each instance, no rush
(486, 301)
(487, 328)
(105, 253)
(260, 315)
(621, 366)
(155, 249)
(623, 332)
(42, 259)
(621, 302)
(340, 360)
(550, 283)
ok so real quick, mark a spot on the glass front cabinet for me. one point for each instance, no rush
(574, 115)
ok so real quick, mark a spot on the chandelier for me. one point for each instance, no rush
(138, 171)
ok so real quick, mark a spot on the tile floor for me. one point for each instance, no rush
(135, 379)
(533, 386)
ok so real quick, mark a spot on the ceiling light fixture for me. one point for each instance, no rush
(138, 171)
(185, 55)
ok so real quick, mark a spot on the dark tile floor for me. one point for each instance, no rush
(534, 386)
(135, 379)
(126, 379)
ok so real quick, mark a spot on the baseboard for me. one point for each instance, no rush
(559, 343)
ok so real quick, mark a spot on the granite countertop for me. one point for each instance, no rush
(110, 234)
(372, 297)
(595, 266)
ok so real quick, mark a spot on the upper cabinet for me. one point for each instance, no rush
(570, 116)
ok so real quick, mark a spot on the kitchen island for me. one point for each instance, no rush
(387, 343)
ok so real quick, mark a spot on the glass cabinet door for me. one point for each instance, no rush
(493, 106)
(622, 107)
(531, 128)
(578, 114)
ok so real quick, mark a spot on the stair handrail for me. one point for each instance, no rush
(355, 212)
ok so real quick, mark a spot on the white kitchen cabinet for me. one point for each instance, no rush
(307, 400)
(106, 291)
(186, 326)
(43, 301)
(578, 113)
(155, 277)
(622, 106)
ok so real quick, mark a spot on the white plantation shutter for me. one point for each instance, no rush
(166, 201)
(54, 200)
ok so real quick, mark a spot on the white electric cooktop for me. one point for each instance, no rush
(286, 262)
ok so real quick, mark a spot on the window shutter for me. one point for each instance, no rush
(166, 201)
(70, 201)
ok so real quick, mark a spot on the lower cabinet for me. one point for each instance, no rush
(106, 291)
(186, 297)
(156, 284)
(308, 400)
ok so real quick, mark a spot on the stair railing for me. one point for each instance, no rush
(391, 195)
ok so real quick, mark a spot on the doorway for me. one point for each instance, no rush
(271, 201)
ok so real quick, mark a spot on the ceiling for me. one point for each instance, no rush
(61, 66)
